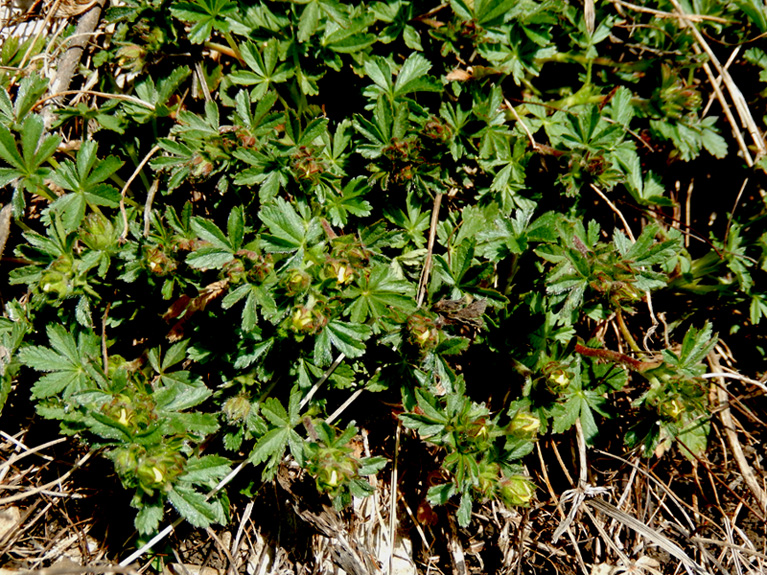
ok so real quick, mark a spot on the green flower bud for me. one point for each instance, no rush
(236, 408)
(670, 409)
(298, 282)
(558, 381)
(341, 271)
(516, 490)
(524, 426)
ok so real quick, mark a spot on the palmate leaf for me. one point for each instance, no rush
(349, 201)
(221, 248)
(84, 179)
(412, 77)
(271, 446)
(205, 15)
(27, 164)
(66, 362)
(264, 69)
(377, 293)
(289, 231)
(193, 506)
(256, 296)
(347, 338)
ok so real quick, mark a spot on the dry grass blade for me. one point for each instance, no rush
(41, 488)
(728, 423)
(133, 176)
(660, 540)
(737, 96)
(424, 281)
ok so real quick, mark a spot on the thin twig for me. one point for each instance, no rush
(728, 114)
(424, 281)
(148, 205)
(761, 385)
(616, 210)
(79, 463)
(123, 97)
(104, 356)
(27, 451)
(732, 438)
(662, 14)
(336, 414)
(737, 96)
(133, 176)
(660, 540)
(322, 380)
(732, 213)
(521, 123)
(393, 498)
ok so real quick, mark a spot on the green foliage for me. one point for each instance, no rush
(418, 200)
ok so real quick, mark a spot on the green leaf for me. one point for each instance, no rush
(347, 338)
(148, 517)
(412, 76)
(377, 293)
(289, 232)
(192, 506)
(464, 510)
(270, 445)
(206, 469)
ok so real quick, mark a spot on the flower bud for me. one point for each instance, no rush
(524, 425)
(670, 409)
(558, 381)
(516, 490)
(298, 282)
(236, 408)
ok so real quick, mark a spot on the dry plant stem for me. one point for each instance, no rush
(732, 438)
(337, 413)
(123, 97)
(414, 519)
(662, 14)
(737, 376)
(136, 172)
(712, 97)
(745, 550)
(16, 456)
(48, 18)
(240, 530)
(78, 569)
(224, 548)
(610, 543)
(546, 477)
(148, 205)
(732, 213)
(737, 96)
(393, 498)
(559, 508)
(80, 462)
(104, 355)
(651, 476)
(70, 60)
(521, 123)
(728, 114)
(584, 464)
(601, 194)
(424, 282)
(660, 540)
(457, 556)
(688, 211)
(322, 380)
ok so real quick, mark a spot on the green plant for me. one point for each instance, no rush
(394, 196)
